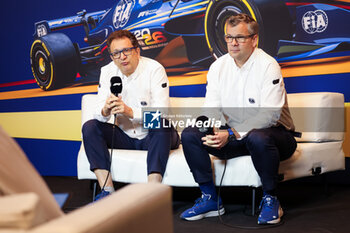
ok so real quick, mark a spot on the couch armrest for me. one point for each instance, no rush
(20, 211)
(134, 208)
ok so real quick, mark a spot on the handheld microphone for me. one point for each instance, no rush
(116, 85)
(204, 128)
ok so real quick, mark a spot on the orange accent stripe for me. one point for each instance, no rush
(314, 61)
(348, 1)
(191, 78)
(316, 67)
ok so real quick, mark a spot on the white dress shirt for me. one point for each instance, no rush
(249, 97)
(148, 86)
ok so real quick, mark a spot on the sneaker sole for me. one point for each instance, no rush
(275, 221)
(213, 213)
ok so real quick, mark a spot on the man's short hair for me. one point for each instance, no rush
(253, 26)
(122, 34)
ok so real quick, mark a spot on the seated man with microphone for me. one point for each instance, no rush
(127, 84)
(247, 87)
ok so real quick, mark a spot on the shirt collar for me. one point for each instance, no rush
(133, 75)
(248, 63)
(137, 70)
(250, 60)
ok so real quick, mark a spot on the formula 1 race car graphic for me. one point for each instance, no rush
(185, 35)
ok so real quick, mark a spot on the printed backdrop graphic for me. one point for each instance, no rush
(53, 52)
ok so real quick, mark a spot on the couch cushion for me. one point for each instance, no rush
(240, 171)
(130, 166)
(319, 116)
(327, 156)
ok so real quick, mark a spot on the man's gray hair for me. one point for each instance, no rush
(253, 26)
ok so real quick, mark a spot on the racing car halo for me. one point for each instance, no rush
(184, 35)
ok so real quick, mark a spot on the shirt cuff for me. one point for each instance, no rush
(101, 118)
(242, 134)
(137, 112)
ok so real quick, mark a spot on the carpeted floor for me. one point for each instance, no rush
(308, 205)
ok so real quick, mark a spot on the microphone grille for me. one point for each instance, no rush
(116, 85)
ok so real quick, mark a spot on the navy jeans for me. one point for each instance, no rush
(97, 138)
(267, 148)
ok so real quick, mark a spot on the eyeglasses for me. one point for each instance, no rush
(126, 52)
(238, 39)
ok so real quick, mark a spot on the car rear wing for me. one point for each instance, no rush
(43, 28)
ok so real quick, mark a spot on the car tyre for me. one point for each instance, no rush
(272, 15)
(54, 61)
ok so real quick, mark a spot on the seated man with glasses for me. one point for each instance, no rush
(247, 87)
(144, 84)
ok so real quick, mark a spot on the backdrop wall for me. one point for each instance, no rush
(47, 123)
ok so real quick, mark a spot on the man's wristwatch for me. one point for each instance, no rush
(231, 135)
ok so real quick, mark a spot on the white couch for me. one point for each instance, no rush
(319, 116)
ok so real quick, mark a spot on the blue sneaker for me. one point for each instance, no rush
(270, 210)
(101, 195)
(203, 207)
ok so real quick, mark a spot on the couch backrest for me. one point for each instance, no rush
(319, 115)
(176, 102)
(88, 107)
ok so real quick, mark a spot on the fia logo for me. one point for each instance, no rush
(41, 30)
(151, 119)
(314, 21)
(122, 13)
